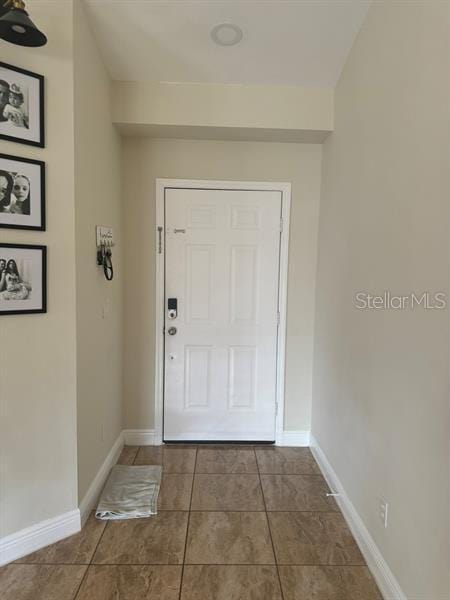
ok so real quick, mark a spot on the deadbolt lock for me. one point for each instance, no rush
(172, 330)
(172, 308)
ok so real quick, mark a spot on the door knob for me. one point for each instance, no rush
(172, 330)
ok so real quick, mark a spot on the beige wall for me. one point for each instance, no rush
(381, 409)
(37, 352)
(99, 302)
(144, 161)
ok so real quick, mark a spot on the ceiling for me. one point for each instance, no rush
(286, 42)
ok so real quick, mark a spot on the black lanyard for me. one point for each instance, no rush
(107, 265)
(104, 260)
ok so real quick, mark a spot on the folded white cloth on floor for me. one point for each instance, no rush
(130, 493)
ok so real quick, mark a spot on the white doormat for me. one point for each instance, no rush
(130, 493)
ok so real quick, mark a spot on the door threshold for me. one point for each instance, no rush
(221, 442)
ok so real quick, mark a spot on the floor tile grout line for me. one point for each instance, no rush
(98, 543)
(258, 467)
(202, 564)
(136, 455)
(90, 562)
(81, 582)
(236, 473)
(187, 528)
(252, 510)
(93, 554)
(274, 564)
(270, 532)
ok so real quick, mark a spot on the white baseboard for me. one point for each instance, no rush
(389, 586)
(38, 536)
(293, 438)
(91, 496)
(139, 437)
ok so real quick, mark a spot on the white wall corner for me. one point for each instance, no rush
(387, 583)
(88, 502)
(293, 438)
(140, 437)
(38, 536)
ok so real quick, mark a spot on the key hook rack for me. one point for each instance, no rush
(105, 243)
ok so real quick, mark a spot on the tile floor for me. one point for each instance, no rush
(234, 523)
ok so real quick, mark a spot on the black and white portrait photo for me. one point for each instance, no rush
(21, 106)
(22, 193)
(22, 279)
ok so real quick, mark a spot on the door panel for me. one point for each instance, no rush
(222, 265)
(242, 377)
(244, 285)
(199, 282)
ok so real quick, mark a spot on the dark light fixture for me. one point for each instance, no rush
(17, 27)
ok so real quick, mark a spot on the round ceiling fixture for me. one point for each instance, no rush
(226, 34)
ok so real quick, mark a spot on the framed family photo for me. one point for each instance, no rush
(22, 193)
(23, 279)
(21, 106)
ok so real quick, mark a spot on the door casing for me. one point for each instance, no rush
(161, 186)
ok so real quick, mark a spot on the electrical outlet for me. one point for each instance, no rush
(383, 508)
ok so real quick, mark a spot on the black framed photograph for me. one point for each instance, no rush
(21, 106)
(22, 193)
(23, 279)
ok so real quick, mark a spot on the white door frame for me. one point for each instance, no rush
(285, 190)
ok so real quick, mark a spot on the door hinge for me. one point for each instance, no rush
(281, 224)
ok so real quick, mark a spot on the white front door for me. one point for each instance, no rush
(222, 276)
